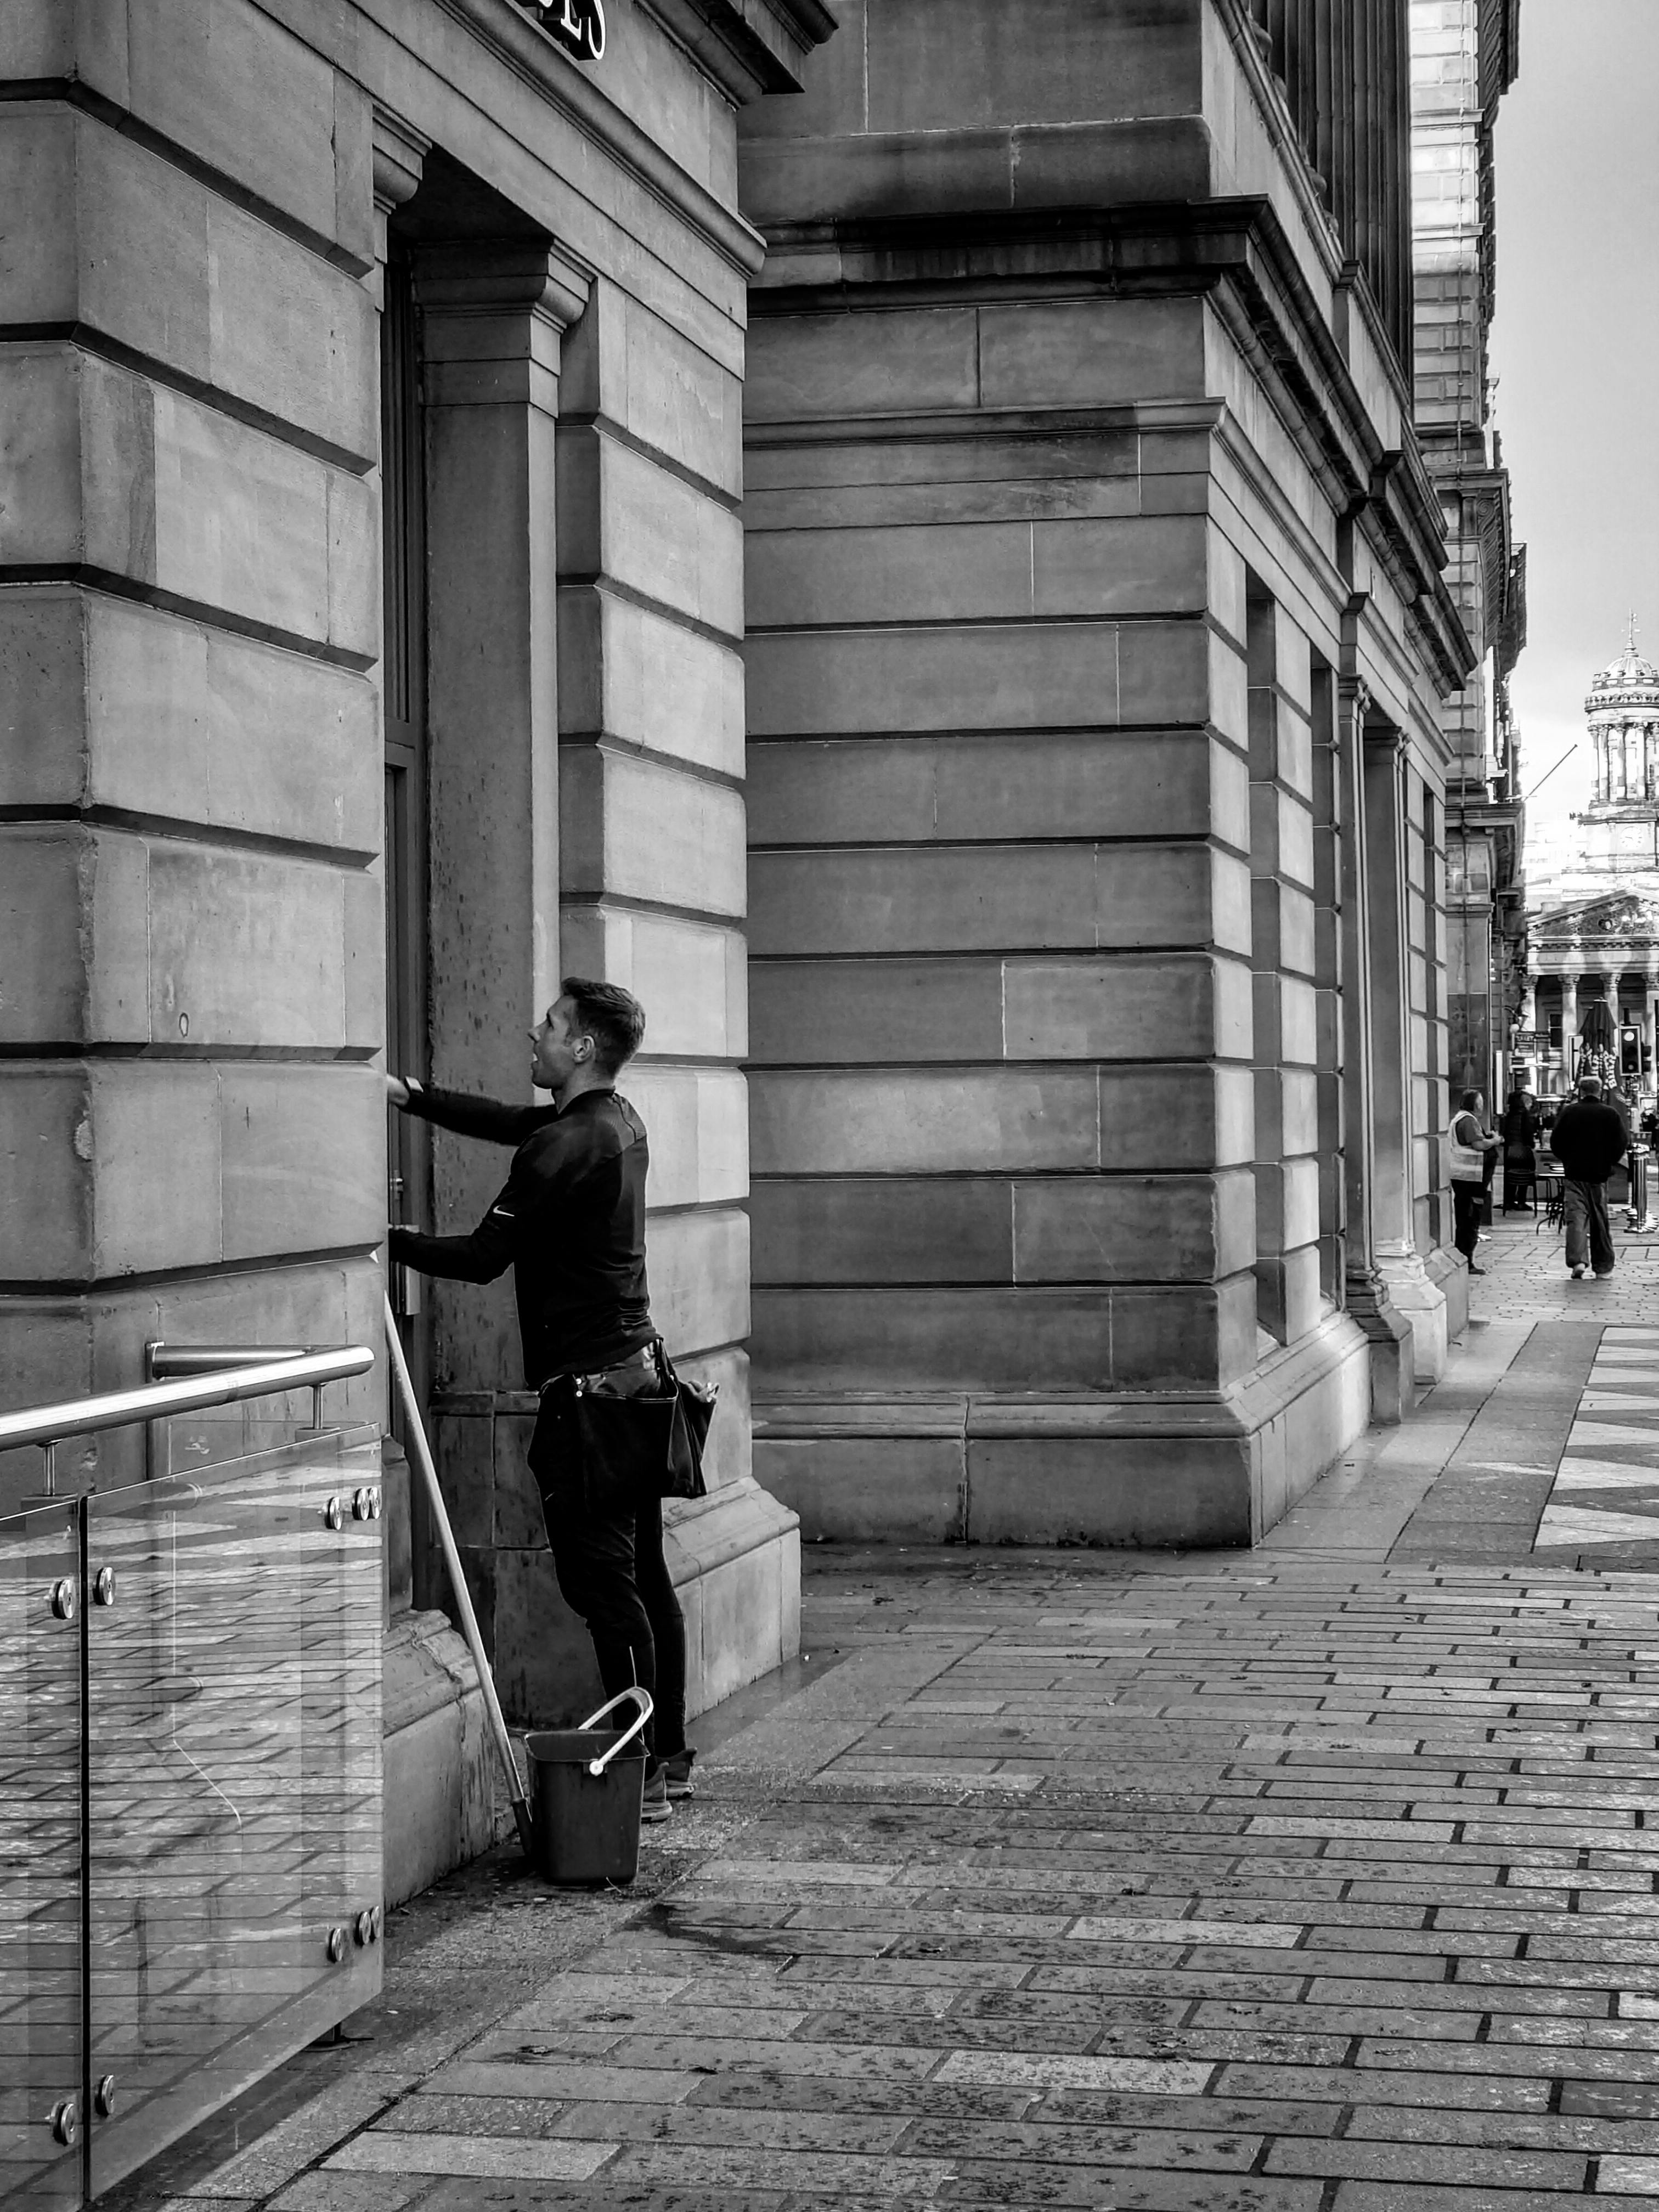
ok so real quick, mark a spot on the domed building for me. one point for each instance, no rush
(1621, 825)
(1596, 939)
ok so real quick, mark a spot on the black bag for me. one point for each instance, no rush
(694, 1409)
(604, 1453)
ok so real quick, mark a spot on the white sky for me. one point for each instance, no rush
(1576, 347)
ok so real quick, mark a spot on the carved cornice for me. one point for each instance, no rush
(750, 47)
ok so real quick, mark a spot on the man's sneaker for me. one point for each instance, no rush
(678, 1769)
(1578, 1274)
(654, 1805)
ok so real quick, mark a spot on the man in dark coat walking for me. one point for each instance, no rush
(1589, 1139)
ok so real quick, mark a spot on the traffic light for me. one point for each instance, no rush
(1630, 1051)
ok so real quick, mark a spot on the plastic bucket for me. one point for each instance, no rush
(586, 1786)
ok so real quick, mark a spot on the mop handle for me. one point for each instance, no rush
(458, 1580)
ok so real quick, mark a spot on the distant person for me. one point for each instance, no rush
(1472, 1145)
(1589, 1138)
(570, 1223)
(1519, 1130)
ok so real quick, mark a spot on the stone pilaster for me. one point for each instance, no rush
(1393, 1227)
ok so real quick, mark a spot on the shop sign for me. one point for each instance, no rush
(578, 26)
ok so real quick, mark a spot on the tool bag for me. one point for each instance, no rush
(609, 1452)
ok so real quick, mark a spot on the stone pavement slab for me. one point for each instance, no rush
(1269, 1883)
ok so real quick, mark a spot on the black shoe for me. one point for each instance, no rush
(654, 1805)
(1474, 1270)
(676, 1768)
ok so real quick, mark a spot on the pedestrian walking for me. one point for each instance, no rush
(1589, 1138)
(570, 1223)
(1519, 1130)
(1472, 1145)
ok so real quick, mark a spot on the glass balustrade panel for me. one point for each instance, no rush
(41, 1859)
(234, 1777)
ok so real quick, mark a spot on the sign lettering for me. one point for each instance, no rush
(578, 26)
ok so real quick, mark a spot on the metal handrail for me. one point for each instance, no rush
(157, 1401)
(165, 1362)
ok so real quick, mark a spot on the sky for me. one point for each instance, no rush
(1575, 347)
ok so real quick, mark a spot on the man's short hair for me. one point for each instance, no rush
(613, 1017)
(1590, 1085)
(1471, 1099)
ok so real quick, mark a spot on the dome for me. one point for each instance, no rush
(1629, 672)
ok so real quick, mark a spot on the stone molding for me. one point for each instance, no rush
(1234, 249)
(749, 47)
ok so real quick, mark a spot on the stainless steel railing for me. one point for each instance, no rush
(221, 1385)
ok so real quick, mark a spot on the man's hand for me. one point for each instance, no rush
(397, 1091)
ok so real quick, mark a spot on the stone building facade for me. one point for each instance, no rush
(1098, 645)
(370, 655)
(896, 531)
(1465, 56)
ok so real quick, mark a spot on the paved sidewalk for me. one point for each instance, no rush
(1313, 1880)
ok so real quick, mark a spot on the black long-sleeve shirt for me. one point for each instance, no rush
(569, 1221)
(1589, 1139)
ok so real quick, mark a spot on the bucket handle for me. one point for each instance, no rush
(642, 1699)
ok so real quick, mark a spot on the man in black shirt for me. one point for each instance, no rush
(570, 1223)
(1589, 1139)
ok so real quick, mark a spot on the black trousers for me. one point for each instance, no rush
(613, 1576)
(1467, 1199)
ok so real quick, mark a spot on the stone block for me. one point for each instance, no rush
(633, 828)
(1089, 353)
(635, 366)
(827, 1011)
(46, 1188)
(1183, 1337)
(741, 1619)
(998, 677)
(689, 977)
(697, 1122)
(646, 681)
(895, 1122)
(946, 572)
(1108, 1009)
(73, 925)
(805, 366)
(1127, 1229)
(362, 896)
(463, 1447)
(103, 467)
(882, 1489)
(1164, 1121)
(156, 1164)
(302, 1149)
(1173, 1492)
(43, 703)
(542, 1658)
(968, 898)
(698, 1264)
(933, 1338)
(1228, 691)
(1299, 1021)
(187, 720)
(888, 1229)
(223, 80)
(1298, 1108)
(1164, 673)
(1043, 64)
(124, 242)
(245, 948)
(1145, 565)
(622, 516)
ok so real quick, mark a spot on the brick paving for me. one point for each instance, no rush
(1313, 1880)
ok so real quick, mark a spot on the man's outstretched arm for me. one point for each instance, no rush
(497, 1124)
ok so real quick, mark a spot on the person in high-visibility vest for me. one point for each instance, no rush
(1469, 1142)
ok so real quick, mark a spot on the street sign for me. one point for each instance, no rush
(1530, 1040)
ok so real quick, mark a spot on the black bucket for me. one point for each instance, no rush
(588, 1822)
